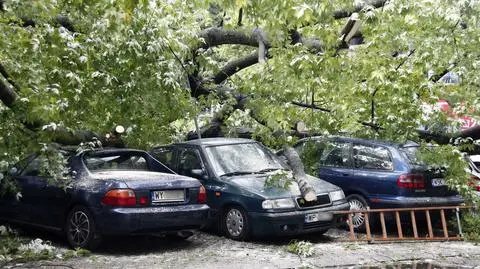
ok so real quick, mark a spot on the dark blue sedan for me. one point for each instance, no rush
(114, 192)
(375, 174)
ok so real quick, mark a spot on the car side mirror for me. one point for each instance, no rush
(198, 173)
(13, 171)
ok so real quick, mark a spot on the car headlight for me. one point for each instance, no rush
(336, 195)
(278, 203)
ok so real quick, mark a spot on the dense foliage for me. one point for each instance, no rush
(127, 62)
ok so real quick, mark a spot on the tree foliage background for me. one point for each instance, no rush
(90, 65)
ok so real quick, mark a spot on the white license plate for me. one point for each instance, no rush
(322, 216)
(168, 196)
(437, 182)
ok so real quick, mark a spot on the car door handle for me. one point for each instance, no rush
(345, 174)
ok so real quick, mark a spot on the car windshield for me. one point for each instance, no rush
(242, 159)
(119, 161)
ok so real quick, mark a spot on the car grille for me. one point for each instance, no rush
(318, 224)
(322, 200)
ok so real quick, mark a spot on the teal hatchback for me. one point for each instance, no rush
(235, 171)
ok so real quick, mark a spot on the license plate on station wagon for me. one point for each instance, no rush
(321, 216)
(437, 182)
(168, 196)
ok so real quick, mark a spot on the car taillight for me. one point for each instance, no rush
(411, 181)
(202, 195)
(120, 197)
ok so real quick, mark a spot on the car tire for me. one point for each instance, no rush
(80, 229)
(235, 223)
(357, 202)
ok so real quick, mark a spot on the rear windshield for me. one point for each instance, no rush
(412, 154)
(129, 161)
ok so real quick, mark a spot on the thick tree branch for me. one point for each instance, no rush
(59, 20)
(224, 37)
(216, 36)
(196, 87)
(234, 66)
(8, 95)
(213, 37)
(5, 74)
(345, 13)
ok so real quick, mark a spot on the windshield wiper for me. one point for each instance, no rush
(270, 170)
(238, 173)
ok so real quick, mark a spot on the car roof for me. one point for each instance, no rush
(113, 150)
(475, 158)
(217, 141)
(354, 140)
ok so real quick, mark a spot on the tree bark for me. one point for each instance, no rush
(345, 13)
(299, 174)
(234, 66)
(8, 95)
(216, 36)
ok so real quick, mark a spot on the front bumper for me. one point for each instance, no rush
(399, 202)
(291, 223)
(151, 220)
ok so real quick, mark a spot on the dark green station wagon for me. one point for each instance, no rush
(234, 172)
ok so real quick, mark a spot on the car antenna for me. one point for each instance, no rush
(198, 129)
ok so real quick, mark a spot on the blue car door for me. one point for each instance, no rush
(374, 170)
(11, 206)
(336, 164)
(42, 203)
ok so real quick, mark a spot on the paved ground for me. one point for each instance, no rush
(205, 250)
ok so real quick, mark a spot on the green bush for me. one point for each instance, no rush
(471, 226)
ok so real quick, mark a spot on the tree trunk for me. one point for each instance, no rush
(299, 175)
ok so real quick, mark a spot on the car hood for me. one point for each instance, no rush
(255, 184)
(146, 179)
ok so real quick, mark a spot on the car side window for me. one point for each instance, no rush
(189, 160)
(372, 157)
(336, 154)
(164, 155)
(310, 152)
(34, 167)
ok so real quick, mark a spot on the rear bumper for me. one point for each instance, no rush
(399, 202)
(151, 220)
(291, 223)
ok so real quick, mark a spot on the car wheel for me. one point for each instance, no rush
(235, 223)
(357, 202)
(80, 229)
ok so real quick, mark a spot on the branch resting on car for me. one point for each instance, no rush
(299, 174)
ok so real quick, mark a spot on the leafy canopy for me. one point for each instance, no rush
(126, 62)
